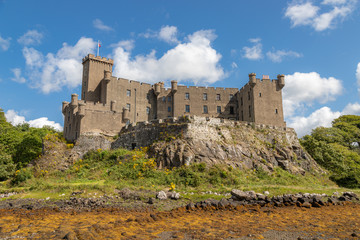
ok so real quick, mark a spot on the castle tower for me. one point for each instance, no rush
(94, 70)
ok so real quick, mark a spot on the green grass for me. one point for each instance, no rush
(102, 172)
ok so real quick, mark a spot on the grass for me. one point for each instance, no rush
(102, 172)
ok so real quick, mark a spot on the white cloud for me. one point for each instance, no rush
(194, 60)
(52, 72)
(97, 23)
(279, 55)
(4, 43)
(15, 119)
(168, 34)
(301, 14)
(254, 52)
(358, 76)
(321, 117)
(302, 89)
(128, 45)
(352, 109)
(234, 65)
(31, 37)
(309, 14)
(334, 2)
(17, 76)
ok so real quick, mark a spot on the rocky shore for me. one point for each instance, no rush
(170, 200)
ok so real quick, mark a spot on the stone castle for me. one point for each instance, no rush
(109, 103)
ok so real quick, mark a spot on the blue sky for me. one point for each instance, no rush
(211, 43)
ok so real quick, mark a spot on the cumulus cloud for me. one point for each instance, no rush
(303, 89)
(322, 117)
(4, 43)
(166, 33)
(352, 109)
(308, 14)
(52, 72)
(254, 52)
(17, 76)
(301, 14)
(279, 55)
(97, 23)
(193, 60)
(31, 37)
(358, 76)
(15, 119)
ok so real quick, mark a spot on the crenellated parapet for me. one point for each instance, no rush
(98, 59)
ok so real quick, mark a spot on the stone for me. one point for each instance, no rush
(241, 195)
(175, 196)
(190, 206)
(161, 195)
(151, 200)
(306, 205)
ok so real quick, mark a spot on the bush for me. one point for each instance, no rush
(21, 176)
(7, 167)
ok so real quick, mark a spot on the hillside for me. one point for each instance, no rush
(188, 140)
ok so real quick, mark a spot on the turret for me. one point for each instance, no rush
(157, 89)
(281, 80)
(64, 105)
(173, 86)
(125, 115)
(74, 101)
(113, 106)
(107, 76)
(252, 79)
(81, 111)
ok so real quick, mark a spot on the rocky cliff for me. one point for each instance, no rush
(176, 142)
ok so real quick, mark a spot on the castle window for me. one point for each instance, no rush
(242, 115)
(205, 108)
(204, 96)
(231, 110)
(163, 99)
(147, 97)
(241, 101)
(248, 95)
(169, 109)
(249, 111)
(169, 98)
(260, 94)
(231, 96)
(147, 110)
(128, 106)
(218, 109)
(187, 96)
(218, 98)
(276, 111)
(128, 93)
(187, 108)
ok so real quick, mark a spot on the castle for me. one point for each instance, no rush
(109, 103)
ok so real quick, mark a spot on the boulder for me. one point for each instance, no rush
(161, 195)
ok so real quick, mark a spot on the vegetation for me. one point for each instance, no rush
(19, 145)
(104, 170)
(337, 149)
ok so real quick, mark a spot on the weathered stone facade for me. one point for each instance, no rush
(109, 103)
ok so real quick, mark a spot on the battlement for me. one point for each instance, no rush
(98, 58)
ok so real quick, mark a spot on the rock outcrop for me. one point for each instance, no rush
(176, 142)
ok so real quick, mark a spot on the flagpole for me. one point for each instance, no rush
(98, 48)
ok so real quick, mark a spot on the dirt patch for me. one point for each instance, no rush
(244, 222)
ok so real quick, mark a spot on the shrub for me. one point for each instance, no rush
(7, 167)
(21, 176)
